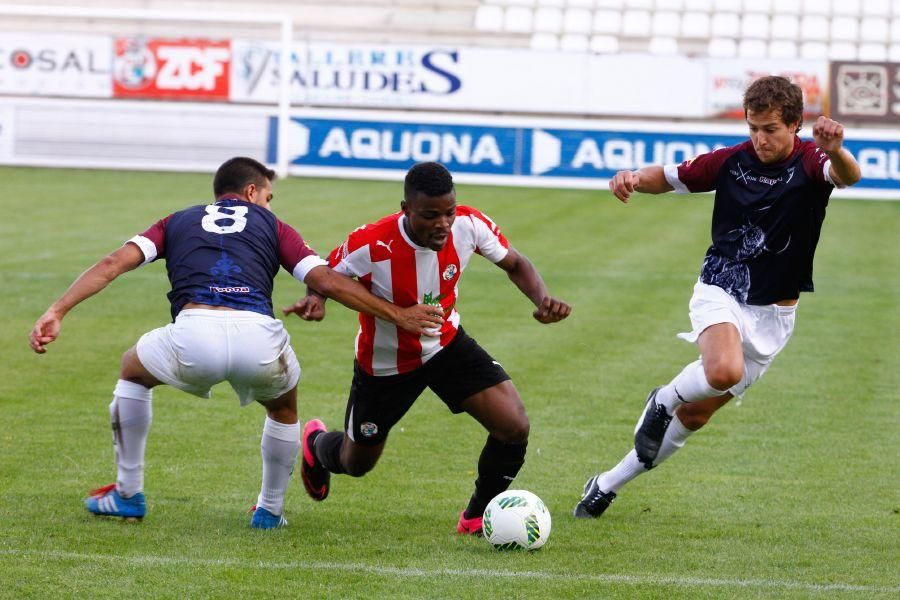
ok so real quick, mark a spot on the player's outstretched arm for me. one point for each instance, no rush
(648, 180)
(420, 319)
(829, 136)
(46, 329)
(522, 273)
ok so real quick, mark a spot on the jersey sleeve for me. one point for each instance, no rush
(489, 240)
(698, 174)
(353, 258)
(817, 165)
(152, 242)
(295, 255)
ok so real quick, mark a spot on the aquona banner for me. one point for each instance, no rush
(541, 152)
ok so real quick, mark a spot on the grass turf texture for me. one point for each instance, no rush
(791, 494)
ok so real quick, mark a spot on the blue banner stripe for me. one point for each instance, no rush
(526, 151)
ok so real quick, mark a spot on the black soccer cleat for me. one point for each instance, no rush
(649, 435)
(594, 502)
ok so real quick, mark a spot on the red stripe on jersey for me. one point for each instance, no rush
(474, 213)
(405, 291)
(366, 339)
(450, 270)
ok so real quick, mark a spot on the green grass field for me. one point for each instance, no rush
(794, 493)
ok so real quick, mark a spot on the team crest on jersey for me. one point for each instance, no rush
(368, 429)
(450, 272)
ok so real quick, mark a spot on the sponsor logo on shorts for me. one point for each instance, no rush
(368, 429)
(229, 290)
(450, 272)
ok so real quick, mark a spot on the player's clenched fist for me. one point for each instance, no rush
(624, 184)
(552, 310)
(828, 134)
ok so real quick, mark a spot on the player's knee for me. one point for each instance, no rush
(358, 469)
(515, 431)
(358, 463)
(723, 375)
(125, 365)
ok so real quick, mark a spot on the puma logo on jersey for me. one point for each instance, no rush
(388, 245)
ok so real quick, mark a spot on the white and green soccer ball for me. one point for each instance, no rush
(516, 519)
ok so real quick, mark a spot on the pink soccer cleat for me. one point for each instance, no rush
(313, 473)
(468, 526)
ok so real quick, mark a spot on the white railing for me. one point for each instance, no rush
(282, 20)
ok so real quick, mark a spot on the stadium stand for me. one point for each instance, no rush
(838, 29)
(846, 29)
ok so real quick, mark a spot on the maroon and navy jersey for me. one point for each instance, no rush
(766, 219)
(226, 254)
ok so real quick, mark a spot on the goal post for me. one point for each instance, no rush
(283, 21)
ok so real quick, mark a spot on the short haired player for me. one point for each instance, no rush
(221, 260)
(419, 255)
(770, 198)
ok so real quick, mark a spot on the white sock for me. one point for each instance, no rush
(630, 467)
(280, 446)
(627, 469)
(688, 386)
(131, 412)
(676, 435)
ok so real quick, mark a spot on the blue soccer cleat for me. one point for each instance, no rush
(106, 502)
(263, 519)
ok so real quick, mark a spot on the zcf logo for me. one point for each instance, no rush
(172, 68)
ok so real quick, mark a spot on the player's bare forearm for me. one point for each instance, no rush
(521, 272)
(97, 277)
(652, 180)
(844, 167)
(647, 180)
(326, 283)
(352, 294)
(526, 277)
(46, 329)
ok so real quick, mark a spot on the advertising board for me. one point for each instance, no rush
(44, 64)
(540, 152)
(171, 69)
(866, 92)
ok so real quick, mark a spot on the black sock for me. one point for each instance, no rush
(327, 447)
(497, 467)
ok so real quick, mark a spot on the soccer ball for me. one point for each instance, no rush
(516, 519)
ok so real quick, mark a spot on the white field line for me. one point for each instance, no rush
(413, 572)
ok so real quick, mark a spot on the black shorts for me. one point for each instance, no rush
(460, 370)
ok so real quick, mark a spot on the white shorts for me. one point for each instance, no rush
(764, 329)
(204, 347)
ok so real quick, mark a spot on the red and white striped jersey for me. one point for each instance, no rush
(384, 259)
